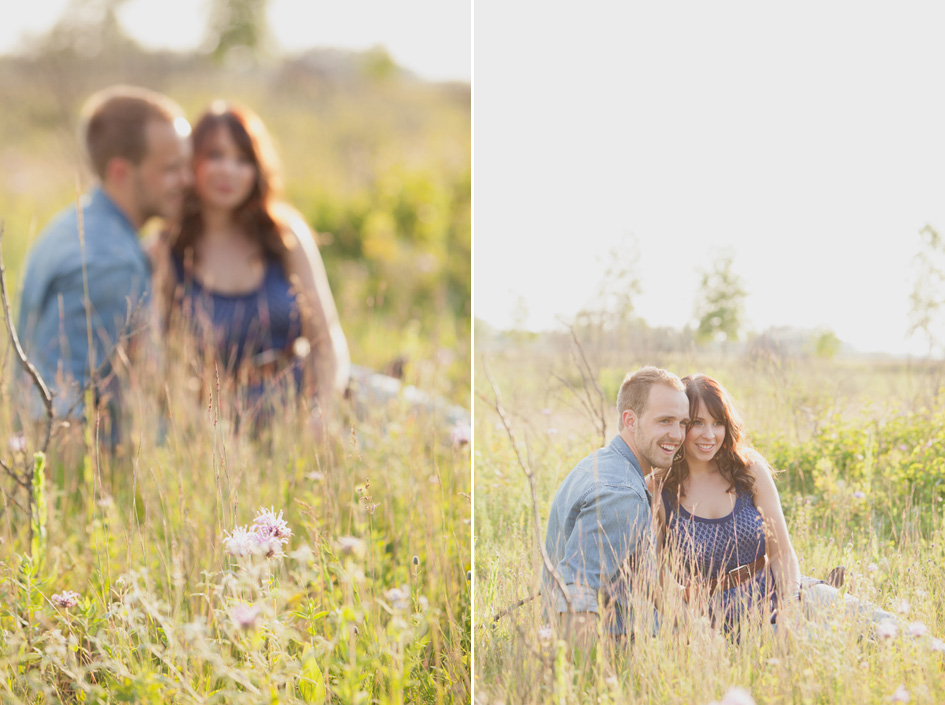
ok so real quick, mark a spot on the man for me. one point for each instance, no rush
(87, 280)
(600, 519)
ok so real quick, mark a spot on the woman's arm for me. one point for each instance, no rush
(779, 550)
(330, 363)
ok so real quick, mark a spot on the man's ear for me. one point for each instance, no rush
(118, 170)
(629, 419)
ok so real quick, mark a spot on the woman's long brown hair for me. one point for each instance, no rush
(733, 458)
(257, 214)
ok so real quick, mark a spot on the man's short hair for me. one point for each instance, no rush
(113, 123)
(635, 390)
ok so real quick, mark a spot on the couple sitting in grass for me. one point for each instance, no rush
(678, 498)
(234, 264)
(233, 258)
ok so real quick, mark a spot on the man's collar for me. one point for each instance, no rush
(98, 197)
(620, 445)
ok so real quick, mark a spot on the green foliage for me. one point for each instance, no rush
(720, 306)
(928, 288)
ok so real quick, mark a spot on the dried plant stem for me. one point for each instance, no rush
(496, 404)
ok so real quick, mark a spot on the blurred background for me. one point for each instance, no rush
(369, 106)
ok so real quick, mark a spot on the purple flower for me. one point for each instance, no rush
(900, 696)
(887, 629)
(245, 616)
(67, 599)
(738, 696)
(266, 537)
(241, 542)
(17, 443)
(937, 645)
(350, 546)
(460, 435)
(399, 598)
(268, 524)
(859, 495)
(545, 633)
(917, 629)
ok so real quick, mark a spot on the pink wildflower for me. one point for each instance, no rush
(887, 629)
(67, 599)
(242, 542)
(917, 629)
(460, 435)
(17, 443)
(245, 616)
(900, 696)
(738, 696)
(399, 598)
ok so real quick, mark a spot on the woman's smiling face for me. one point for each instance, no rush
(705, 435)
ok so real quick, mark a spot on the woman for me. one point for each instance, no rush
(244, 268)
(719, 521)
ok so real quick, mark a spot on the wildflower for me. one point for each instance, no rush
(460, 435)
(268, 524)
(900, 696)
(872, 567)
(416, 560)
(917, 629)
(887, 629)
(399, 598)
(265, 537)
(67, 599)
(546, 411)
(937, 645)
(242, 542)
(738, 696)
(859, 494)
(245, 616)
(350, 546)
(545, 633)
(903, 607)
(17, 443)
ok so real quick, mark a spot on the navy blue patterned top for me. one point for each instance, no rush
(709, 548)
(255, 328)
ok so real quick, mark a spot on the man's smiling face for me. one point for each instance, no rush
(659, 431)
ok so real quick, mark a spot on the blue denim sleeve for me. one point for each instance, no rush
(610, 526)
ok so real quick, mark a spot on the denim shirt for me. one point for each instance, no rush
(53, 319)
(599, 518)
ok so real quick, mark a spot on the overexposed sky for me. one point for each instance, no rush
(808, 138)
(432, 38)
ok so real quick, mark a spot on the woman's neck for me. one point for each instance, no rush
(702, 468)
(218, 221)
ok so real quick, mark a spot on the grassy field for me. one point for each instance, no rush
(204, 562)
(859, 442)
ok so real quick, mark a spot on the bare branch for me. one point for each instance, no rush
(496, 405)
(38, 381)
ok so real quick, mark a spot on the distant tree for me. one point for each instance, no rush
(827, 345)
(238, 28)
(928, 289)
(612, 307)
(720, 306)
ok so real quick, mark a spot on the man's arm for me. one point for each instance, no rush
(609, 528)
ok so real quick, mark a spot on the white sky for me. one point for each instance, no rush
(808, 137)
(432, 38)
